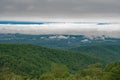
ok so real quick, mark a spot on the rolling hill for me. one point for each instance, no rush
(31, 60)
(106, 52)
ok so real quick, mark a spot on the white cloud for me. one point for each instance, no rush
(89, 30)
(42, 37)
(58, 37)
(102, 37)
(73, 37)
(85, 40)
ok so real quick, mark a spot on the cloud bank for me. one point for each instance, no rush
(88, 30)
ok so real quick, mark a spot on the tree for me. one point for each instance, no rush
(113, 71)
(59, 71)
(56, 72)
(92, 72)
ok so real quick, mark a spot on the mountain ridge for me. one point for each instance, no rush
(108, 52)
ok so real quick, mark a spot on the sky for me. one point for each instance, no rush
(62, 11)
(59, 10)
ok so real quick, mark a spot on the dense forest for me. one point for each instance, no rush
(106, 52)
(61, 72)
(31, 62)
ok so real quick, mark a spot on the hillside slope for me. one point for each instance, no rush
(26, 59)
(108, 52)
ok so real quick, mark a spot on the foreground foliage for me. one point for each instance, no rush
(61, 72)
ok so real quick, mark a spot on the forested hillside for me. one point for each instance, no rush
(30, 62)
(33, 60)
(108, 52)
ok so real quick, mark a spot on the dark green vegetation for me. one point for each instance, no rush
(108, 53)
(61, 72)
(34, 60)
(30, 62)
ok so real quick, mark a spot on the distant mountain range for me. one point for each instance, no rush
(57, 41)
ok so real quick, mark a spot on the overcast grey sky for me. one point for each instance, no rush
(59, 9)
